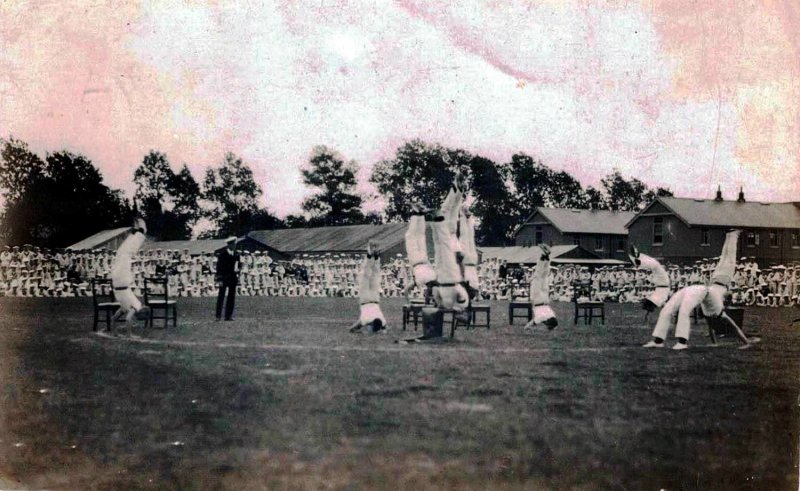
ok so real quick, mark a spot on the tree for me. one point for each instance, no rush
(336, 202)
(625, 195)
(295, 221)
(529, 179)
(564, 191)
(232, 196)
(59, 202)
(264, 220)
(419, 173)
(169, 201)
(492, 207)
(595, 199)
(19, 168)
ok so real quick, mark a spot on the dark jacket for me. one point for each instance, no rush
(226, 271)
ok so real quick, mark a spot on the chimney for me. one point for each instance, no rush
(741, 195)
(719, 194)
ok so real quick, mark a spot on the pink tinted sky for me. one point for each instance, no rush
(678, 93)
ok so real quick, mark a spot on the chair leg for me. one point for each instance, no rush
(175, 315)
(94, 324)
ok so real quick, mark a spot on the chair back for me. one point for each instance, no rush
(582, 290)
(520, 299)
(102, 291)
(156, 288)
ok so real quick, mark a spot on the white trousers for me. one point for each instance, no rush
(541, 313)
(659, 296)
(417, 251)
(681, 305)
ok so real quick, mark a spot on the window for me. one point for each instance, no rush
(658, 230)
(705, 237)
(620, 244)
(576, 240)
(751, 239)
(537, 235)
(795, 239)
(773, 238)
(598, 243)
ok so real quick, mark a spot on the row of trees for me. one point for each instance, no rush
(61, 199)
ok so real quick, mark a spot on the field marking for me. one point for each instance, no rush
(382, 349)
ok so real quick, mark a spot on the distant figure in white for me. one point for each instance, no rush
(540, 293)
(658, 275)
(709, 298)
(371, 317)
(122, 278)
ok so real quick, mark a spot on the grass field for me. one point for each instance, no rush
(284, 397)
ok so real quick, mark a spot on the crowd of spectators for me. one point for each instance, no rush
(34, 272)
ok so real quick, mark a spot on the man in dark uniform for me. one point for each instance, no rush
(227, 278)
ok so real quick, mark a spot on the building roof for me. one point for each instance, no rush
(195, 247)
(559, 254)
(346, 238)
(571, 221)
(708, 212)
(99, 239)
(521, 254)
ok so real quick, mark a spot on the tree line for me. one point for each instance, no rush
(60, 199)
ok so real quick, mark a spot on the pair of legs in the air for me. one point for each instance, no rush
(371, 317)
(540, 293)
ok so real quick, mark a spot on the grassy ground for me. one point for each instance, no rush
(284, 397)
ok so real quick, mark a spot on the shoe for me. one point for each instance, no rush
(653, 344)
(217, 319)
(551, 323)
(355, 329)
(228, 319)
(680, 346)
(545, 252)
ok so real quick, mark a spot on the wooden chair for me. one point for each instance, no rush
(412, 312)
(156, 296)
(585, 305)
(103, 301)
(480, 308)
(455, 321)
(520, 303)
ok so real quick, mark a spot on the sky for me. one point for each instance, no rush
(678, 93)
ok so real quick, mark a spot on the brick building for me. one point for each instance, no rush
(683, 230)
(601, 231)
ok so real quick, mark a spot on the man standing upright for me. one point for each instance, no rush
(227, 278)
